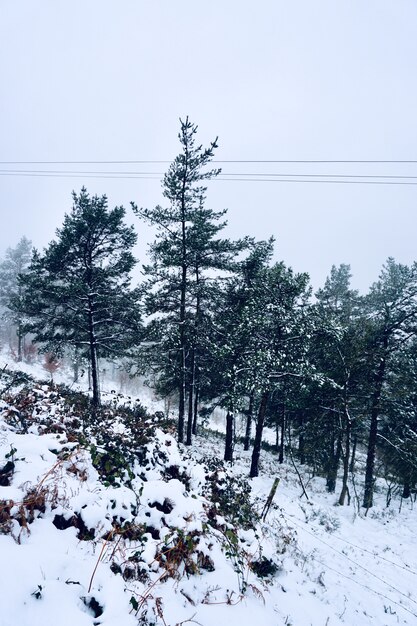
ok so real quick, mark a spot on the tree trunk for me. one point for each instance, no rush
(254, 470)
(188, 439)
(76, 364)
(353, 456)
(183, 374)
(195, 353)
(195, 410)
(93, 358)
(334, 465)
(19, 342)
(373, 430)
(282, 439)
(191, 400)
(277, 429)
(346, 457)
(181, 411)
(406, 489)
(249, 417)
(75, 372)
(370, 459)
(183, 293)
(182, 385)
(94, 375)
(228, 450)
(301, 441)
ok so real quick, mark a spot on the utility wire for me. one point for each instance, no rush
(312, 161)
(233, 174)
(318, 161)
(231, 178)
(378, 593)
(332, 182)
(109, 172)
(379, 556)
(358, 565)
(78, 162)
(389, 176)
(385, 582)
(80, 175)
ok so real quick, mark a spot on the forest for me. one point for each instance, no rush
(218, 323)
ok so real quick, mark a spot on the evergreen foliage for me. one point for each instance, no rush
(227, 326)
(183, 256)
(77, 293)
(259, 338)
(397, 436)
(15, 263)
(338, 351)
(391, 307)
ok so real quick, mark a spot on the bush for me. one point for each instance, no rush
(230, 496)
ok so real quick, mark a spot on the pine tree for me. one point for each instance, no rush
(257, 340)
(397, 439)
(186, 249)
(338, 353)
(280, 340)
(391, 306)
(77, 293)
(233, 364)
(15, 263)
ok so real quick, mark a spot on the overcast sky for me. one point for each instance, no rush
(100, 80)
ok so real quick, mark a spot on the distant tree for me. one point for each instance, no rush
(397, 436)
(284, 408)
(77, 293)
(51, 365)
(232, 351)
(279, 340)
(257, 339)
(338, 351)
(15, 263)
(391, 308)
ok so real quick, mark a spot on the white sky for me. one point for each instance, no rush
(104, 80)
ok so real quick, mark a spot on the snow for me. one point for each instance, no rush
(335, 565)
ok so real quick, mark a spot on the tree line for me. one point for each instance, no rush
(216, 322)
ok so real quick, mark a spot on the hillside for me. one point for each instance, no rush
(106, 521)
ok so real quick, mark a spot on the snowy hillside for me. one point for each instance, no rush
(108, 522)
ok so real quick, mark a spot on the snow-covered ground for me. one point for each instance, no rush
(151, 548)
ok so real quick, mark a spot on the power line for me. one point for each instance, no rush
(80, 175)
(231, 174)
(341, 179)
(321, 161)
(388, 176)
(78, 162)
(117, 172)
(292, 161)
(340, 182)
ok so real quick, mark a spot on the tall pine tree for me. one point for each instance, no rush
(77, 293)
(391, 307)
(185, 252)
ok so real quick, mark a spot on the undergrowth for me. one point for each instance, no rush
(122, 443)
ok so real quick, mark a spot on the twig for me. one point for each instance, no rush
(191, 620)
(96, 566)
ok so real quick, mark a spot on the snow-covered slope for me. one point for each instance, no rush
(109, 522)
